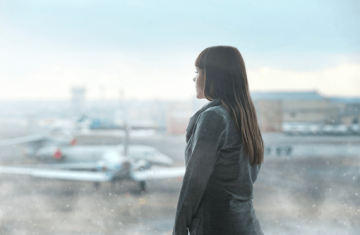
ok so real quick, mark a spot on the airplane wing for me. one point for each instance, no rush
(115, 133)
(59, 174)
(66, 166)
(22, 140)
(158, 173)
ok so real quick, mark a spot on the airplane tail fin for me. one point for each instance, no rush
(127, 138)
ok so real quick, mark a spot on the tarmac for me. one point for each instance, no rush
(313, 190)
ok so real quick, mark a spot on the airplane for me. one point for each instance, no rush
(48, 138)
(97, 163)
(110, 166)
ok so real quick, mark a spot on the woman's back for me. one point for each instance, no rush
(224, 150)
(218, 185)
(226, 205)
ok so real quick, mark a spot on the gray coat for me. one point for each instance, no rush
(217, 190)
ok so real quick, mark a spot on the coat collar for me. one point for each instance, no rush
(190, 127)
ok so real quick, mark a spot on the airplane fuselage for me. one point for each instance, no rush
(86, 154)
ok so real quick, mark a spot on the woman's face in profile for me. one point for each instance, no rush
(199, 83)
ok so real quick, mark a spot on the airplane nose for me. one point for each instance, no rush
(125, 170)
(163, 159)
(100, 166)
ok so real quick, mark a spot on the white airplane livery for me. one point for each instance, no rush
(67, 161)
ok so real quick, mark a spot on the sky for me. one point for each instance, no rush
(147, 48)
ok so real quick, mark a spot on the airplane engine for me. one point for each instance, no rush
(50, 153)
(141, 165)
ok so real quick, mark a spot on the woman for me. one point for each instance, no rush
(224, 151)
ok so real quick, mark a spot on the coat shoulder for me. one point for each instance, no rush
(220, 110)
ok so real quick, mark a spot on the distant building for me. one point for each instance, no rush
(178, 116)
(275, 108)
(349, 110)
(269, 115)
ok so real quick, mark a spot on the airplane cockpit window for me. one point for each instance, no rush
(97, 98)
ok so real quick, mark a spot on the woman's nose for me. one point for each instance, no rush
(194, 79)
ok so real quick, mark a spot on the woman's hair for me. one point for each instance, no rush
(225, 78)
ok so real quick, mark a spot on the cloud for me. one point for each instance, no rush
(144, 80)
(341, 80)
(139, 79)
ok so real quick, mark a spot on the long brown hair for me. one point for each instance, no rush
(225, 78)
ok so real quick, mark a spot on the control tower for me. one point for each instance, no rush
(78, 99)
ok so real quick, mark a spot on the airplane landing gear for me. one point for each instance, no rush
(96, 185)
(143, 186)
(283, 149)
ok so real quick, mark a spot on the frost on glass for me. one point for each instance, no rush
(309, 182)
(95, 98)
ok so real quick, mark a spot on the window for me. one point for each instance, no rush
(112, 78)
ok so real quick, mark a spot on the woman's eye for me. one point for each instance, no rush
(196, 72)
